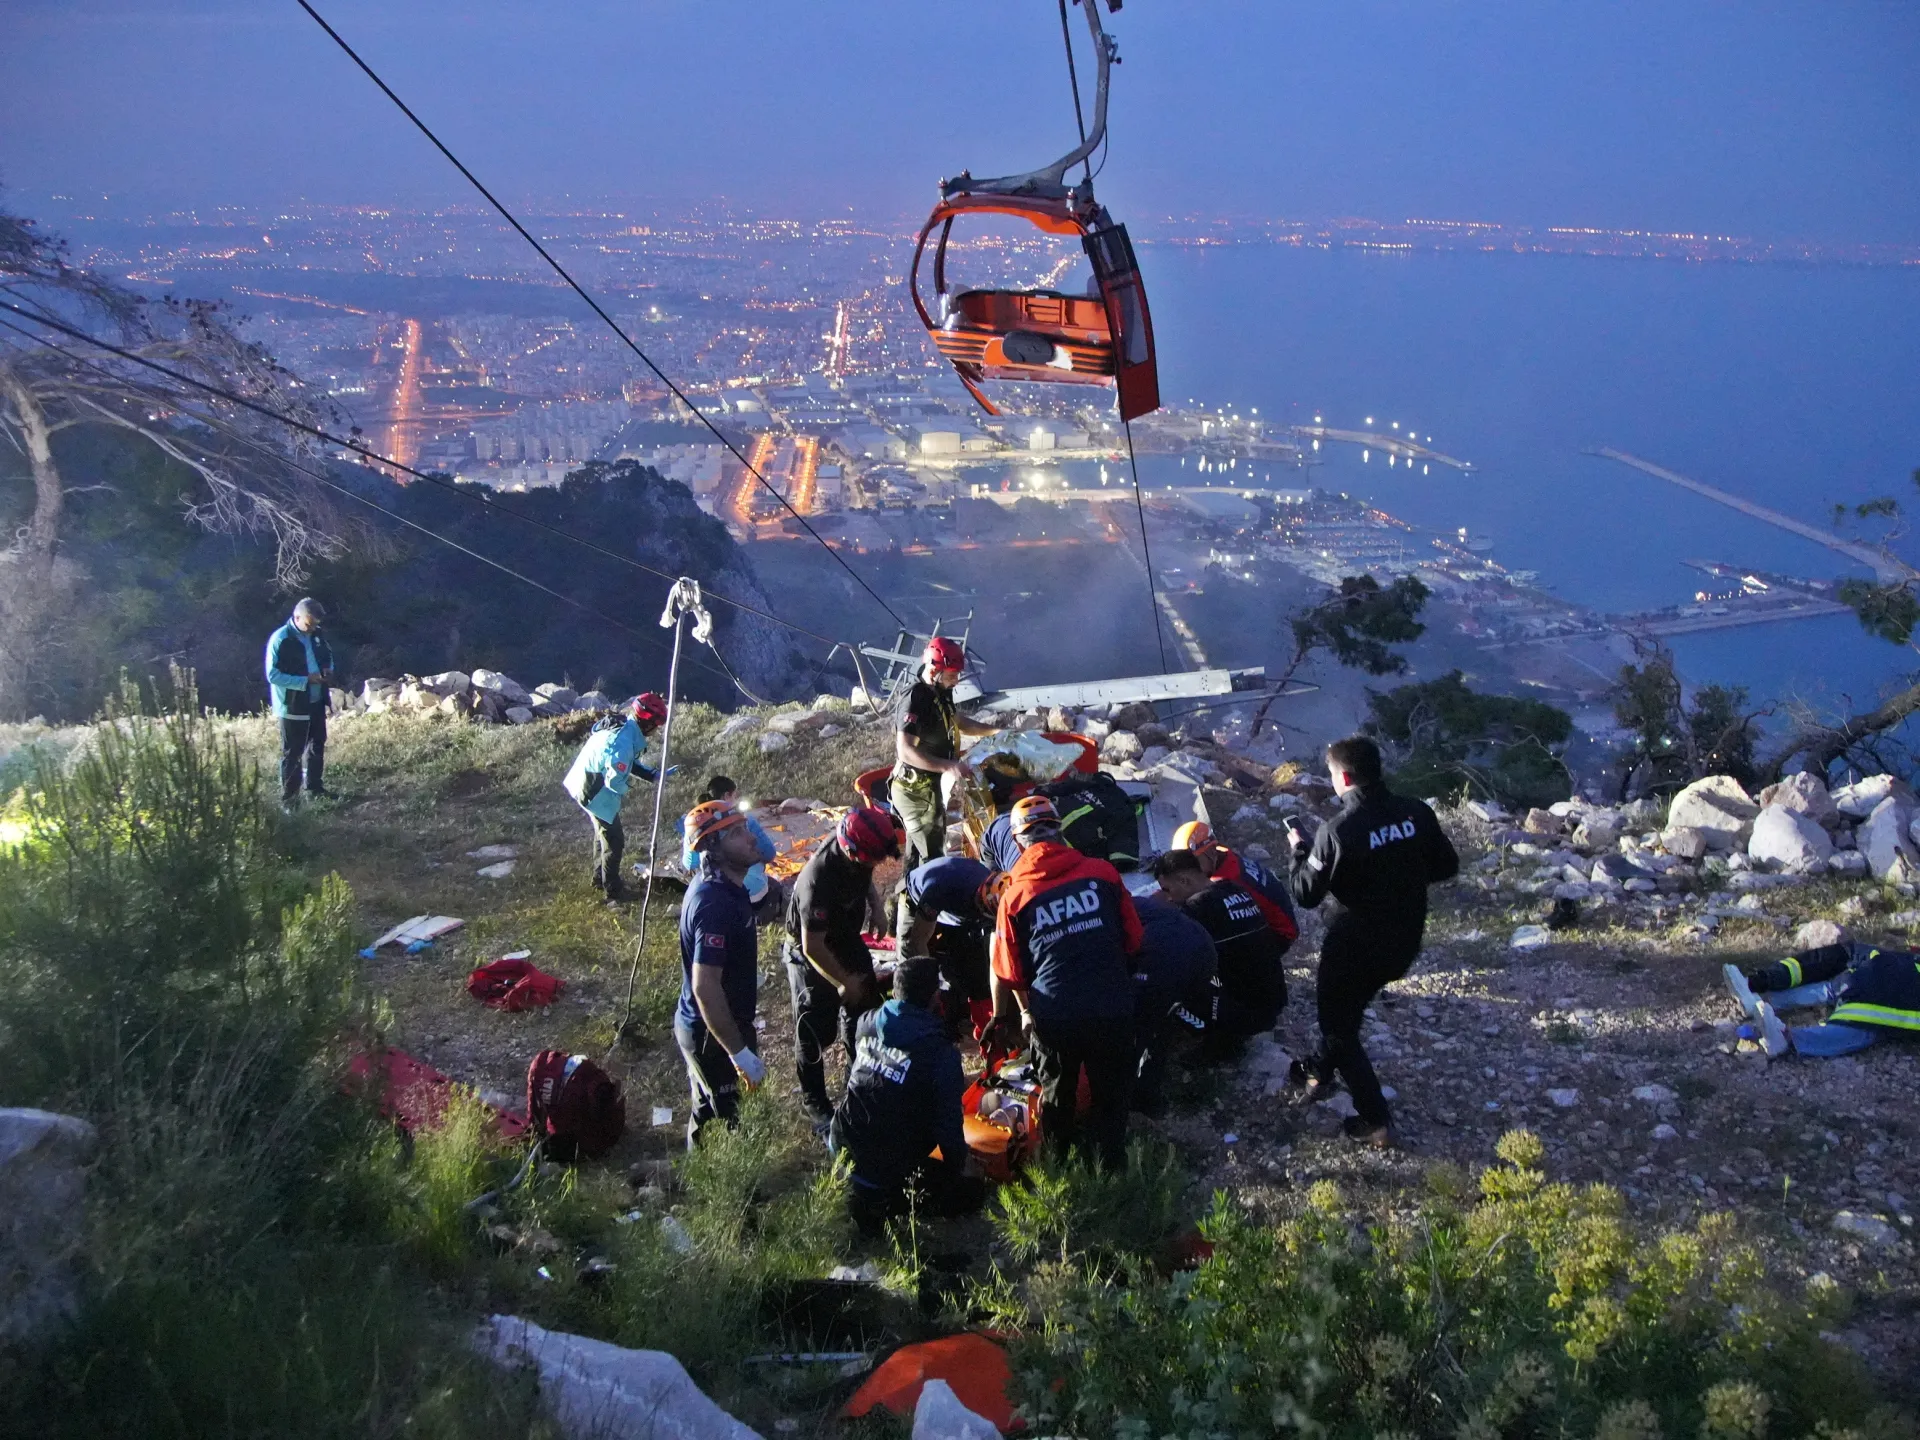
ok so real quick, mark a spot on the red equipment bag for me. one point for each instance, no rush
(573, 1106)
(511, 984)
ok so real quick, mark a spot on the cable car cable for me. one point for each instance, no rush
(1140, 505)
(1073, 79)
(594, 305)
(368, 453)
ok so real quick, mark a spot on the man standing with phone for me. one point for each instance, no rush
(299, 671)
(1374, 861)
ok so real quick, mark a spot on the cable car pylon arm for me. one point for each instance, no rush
(1051, 180)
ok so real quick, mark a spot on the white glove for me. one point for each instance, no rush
(753, 1070)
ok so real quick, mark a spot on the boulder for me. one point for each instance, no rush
(1882, 838)
(1121, 746)
(745, 720)
(1863, 797)
(1059, 719)
(1600, 830)
(1851, 863)
(1152, 734)
(1816, 933)
(1544, 822)
(518, 715)
(448, 682)
(772, 740)
(1717, 807)
(1685, 843)
(1791, 839)
(416, 698)
(377, 689)
(1804, 793)
(560, 695)
(1530, 937)
(509, 689)
(594, 1390)
(595, 700)
(1617, 867)
(1133, 715)
(1491, 811)
(43, 1177)
(1093, 728)
(341, 702)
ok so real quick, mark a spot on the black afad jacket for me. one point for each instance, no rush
(1376, 859)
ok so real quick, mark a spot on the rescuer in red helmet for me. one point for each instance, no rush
(926, 750)
(598, 782)
(829, 968)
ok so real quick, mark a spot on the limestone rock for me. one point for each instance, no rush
(594, 1390)
(43, 1179)
(595, 700)
(1654, 1094)
(1133, 715)
(1863, 797)
(1869, 1229)
(1491, 811)
(1791, 839)
(518, 715)
(772, 740)
(1121, 745)
(1717, 807)
(1544, 822)
(1058, 719)
(1684, 842)
(1600, 830)
(1152, 734)
(1094, 729)
(559, 695)
(746, 720)
(1882, 838)
(1815, 933)
(509, 689)
(1804, 793)
(1530, 937)
(448, 682)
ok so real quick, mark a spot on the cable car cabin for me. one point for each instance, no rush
(1104, 338)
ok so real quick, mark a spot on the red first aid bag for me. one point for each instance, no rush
(573, 1106)
(513, 985)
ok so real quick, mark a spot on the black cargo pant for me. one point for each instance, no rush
(821, 1019)
(1356, 963)
(303, 750)
(1104, 1048)
(609, 845)
(711, 1078)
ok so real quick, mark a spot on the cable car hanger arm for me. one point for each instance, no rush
(1051, 180)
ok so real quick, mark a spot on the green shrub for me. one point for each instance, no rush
(1531, 1310)
(1072, 1207)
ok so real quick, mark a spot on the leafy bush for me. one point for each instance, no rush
(1072, 1207)
(166, 978)
(1445, 737)
(1532, 1310)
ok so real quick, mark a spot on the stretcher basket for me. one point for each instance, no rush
(1001, 1118)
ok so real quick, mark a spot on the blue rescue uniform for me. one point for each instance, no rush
(716, 930)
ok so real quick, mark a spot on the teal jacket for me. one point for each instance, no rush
(605, 767)
(295, 662)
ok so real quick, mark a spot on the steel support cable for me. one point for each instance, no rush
(323, 479)
(1146, 553)
(368, 453)
(1073, 79)
(594, 305)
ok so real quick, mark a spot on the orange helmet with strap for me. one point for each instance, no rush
(708, 819)
(1032, 812)
(1194, 835)
(990, 891)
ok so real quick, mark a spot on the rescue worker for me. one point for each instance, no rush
(600, 776)
(1253, 981)
(926, 749)
(829, 968)
(951, 904)
(1063, 956)
(299, 672)
(1268, 890)
(763, 892)
(904, 1098)
(719, 967)
(1872, 992)
(1176, 991)
(1005, 784)
(1375, 859)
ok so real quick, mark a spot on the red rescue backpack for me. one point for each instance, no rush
(573, 1106)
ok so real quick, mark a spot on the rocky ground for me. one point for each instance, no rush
(1610, 1036)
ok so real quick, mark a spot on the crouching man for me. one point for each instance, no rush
(903, 1101)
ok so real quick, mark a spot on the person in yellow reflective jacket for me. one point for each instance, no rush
(1872, 991)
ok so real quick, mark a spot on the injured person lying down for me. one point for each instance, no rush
(1866, 991)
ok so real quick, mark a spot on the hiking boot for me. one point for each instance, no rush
(1741, 991)
(1773, 1034)
(1368, 1132)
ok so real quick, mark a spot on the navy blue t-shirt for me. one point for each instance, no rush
(997, 846)
(948, 889)
(716, 928)
(1177, 956)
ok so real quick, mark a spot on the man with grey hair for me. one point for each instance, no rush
(299, 670)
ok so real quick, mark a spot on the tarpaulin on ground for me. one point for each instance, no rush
(513, 983)
(974, 1366)
(412, 1092)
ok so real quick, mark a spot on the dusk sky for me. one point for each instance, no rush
(1764, 119)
